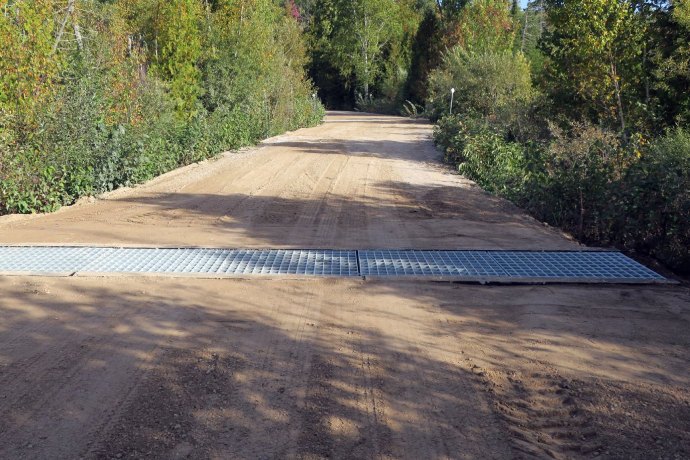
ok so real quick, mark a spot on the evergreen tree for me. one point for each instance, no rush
(426, 56)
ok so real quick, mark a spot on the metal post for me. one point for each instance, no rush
(452, 93)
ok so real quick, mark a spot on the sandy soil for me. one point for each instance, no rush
(137, 367)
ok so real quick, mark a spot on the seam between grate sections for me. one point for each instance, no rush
(506, 265)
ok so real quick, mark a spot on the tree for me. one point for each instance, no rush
(595, 49)
(29, 64)
(485, 25)
(681, 12)
(530, 31)
(668, 51)
(179, 38)
(450, 8)
(495, 86)
(426, 56)
(362, 31)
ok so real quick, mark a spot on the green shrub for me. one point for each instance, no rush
(482, 154)
(585, 180)
(495, 86)
(582, 164)
(655, 194)
(121, 113)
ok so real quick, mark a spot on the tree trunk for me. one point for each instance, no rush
(619, 99)
(365, 50)
(581, 225)
(77, 34)
(646, 75)
(524, 31)
(61, 31)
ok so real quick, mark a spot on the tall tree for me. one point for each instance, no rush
(450, 8)
(669, 63)
(595, 49)
(681, 12)
(426, 56)
(29, 62)
(179, 38)
(484, 25)
(363, 30)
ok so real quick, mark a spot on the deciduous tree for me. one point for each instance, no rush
(179, 37)
(595, 49)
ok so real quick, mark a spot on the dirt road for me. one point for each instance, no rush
(136, 367)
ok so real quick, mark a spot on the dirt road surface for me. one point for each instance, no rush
(156, 367)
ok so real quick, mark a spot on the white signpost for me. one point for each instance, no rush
(452, 93)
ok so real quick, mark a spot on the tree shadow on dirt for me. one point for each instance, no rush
(384, 149)
(119, 374)
(579, 371)
(237, 369)
(440, 217)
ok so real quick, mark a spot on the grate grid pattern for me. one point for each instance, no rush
(49, 259)
(470, 265)
(505, 265)
(58, 260)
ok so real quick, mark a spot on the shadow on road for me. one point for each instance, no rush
(154, 373)
(262, 369)
(401, 215)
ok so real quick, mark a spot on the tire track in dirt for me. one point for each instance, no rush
(351, 194)
(253, 212)
(315, 201)
(540, 410)
(386, 229)
(333, 202)
(343, 415)
(239, 387)
(276, 358)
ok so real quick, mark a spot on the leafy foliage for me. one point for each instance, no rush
(586, 181)
(483, 26)
(493, 85)
(596, 58)
(134, 88)
(360, 50)
(179, 39)
(585, 131)
(28, 64)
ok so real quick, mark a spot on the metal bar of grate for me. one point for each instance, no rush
(498, 266)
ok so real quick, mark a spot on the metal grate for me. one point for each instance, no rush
(501, 266)
(587, 265)
(426, 263)
(59, 260)
(56, 260)
(506, 265)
